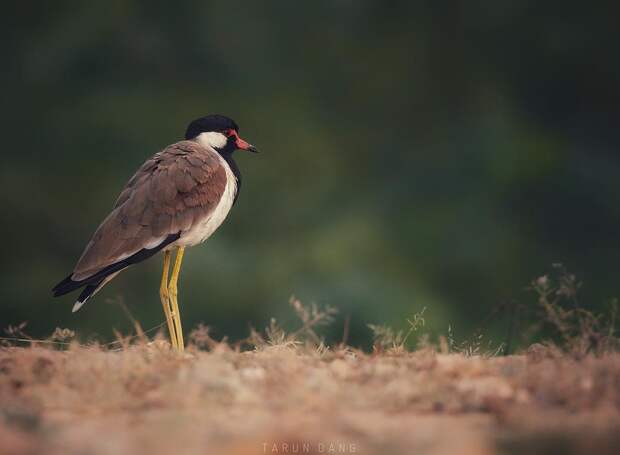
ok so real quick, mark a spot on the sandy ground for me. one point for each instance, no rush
(292, 398)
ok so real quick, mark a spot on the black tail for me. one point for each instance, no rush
(65, 286)
(92, 282)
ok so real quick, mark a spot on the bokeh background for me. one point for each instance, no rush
(415, 154)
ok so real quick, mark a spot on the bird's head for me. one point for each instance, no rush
(219, 132)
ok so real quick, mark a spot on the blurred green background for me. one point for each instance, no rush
(415, 154)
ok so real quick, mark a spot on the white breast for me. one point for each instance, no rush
(203, 230)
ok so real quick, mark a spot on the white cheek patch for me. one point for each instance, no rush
(212, 139)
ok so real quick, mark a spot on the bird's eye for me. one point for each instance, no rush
(226, 132)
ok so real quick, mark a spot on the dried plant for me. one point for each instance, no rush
(563, 321)
(385, 338)
(311, 317)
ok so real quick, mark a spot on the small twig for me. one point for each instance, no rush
(345, 330)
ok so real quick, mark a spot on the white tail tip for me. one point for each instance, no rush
(77, 306)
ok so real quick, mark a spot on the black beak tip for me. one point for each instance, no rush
(252, 149)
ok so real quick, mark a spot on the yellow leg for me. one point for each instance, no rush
(165, 299)
(172, 290)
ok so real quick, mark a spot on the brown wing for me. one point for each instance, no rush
(172, 191)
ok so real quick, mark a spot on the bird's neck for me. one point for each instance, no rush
(234, 168)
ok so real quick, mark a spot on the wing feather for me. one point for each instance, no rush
(175, 189)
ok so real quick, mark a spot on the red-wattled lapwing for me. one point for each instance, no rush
(178, 198)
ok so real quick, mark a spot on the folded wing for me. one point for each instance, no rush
(175, 189)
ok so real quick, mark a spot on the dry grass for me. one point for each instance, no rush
(144, 397)
(279, 392)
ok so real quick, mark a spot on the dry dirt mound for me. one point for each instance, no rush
(292, 399)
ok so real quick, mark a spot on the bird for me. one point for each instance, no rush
(175, 200)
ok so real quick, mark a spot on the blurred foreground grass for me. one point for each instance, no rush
(279, 392)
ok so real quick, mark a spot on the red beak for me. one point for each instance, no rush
(243, 145)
